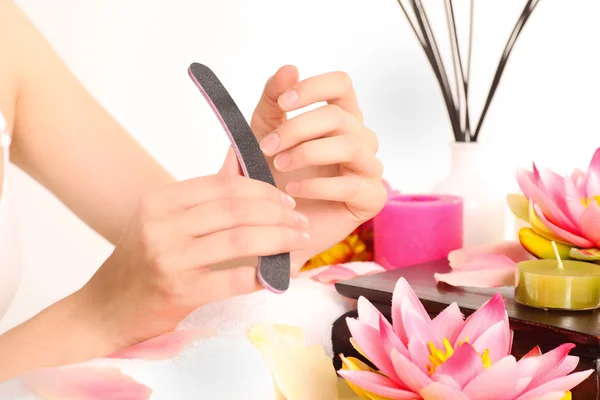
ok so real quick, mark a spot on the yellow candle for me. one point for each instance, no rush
(545, 284)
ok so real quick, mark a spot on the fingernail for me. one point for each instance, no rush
(288, 100)
(270, 143)
(301, 220)
(282, 160)
(293, 187)
(303, 237)
(288, 200)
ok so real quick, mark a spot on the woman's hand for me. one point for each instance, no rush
(166, 263)
(325, 158)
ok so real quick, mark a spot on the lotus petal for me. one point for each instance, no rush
(438, 391)
(585, 254)
(85, 383)
(566, 367)
(498, 382)
(461, 258)
(549, 362)
(573, 200)
(491, 312)
(535, 352)
(518, 205)
(448, 323)
(419, 353)
(563, 235)
(368, 340)
(538, 196)
(553, 396)
(590, 223)
(554, 185)
(354, 364)
(495, 340)
(368, 313)
(404, 293)
(164, 346)
(464, 365)
(376, 383)
(562, 384)
(592, 187)
(483, 278)
(541, 247)
(390, 341)
(412, 376)
(417, 327)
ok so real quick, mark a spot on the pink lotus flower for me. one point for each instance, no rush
(448, 357)
(561, 209)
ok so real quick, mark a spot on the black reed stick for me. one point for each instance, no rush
(445, 88)
(527, 10)
(459, 73)
(468, 73)
(429, 38)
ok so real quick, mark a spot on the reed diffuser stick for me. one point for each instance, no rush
(527, 10)
(429, 37)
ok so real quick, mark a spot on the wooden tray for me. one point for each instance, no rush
(547, 329)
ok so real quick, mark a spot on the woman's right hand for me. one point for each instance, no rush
(166, 263)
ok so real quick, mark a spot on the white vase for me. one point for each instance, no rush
(482, 177)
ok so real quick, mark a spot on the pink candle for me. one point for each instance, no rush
(413, 229)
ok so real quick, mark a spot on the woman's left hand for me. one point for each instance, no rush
(325, 158)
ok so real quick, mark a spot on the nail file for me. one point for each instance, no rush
(273, 271)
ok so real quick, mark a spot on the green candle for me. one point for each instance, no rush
(557, 284)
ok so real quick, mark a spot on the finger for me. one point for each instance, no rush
(324, 121)
(333, 87)
(186, 194)
(228, 213)
(243, 241)
(226, 283)
(363, 197)
(345, 149)
(231, 165)
(268, 114)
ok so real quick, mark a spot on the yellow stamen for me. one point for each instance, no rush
(568, 396)
(437, 357)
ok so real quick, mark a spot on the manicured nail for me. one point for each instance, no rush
(288, 200)
(270, 143)
(282, 160)
(288, 100)
(303, 237)
(293, 187)
(301, 220)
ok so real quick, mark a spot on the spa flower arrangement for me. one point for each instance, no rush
(563, 209)
(448, 357)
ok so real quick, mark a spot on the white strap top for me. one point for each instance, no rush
(10, 271)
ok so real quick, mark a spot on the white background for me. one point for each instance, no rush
(133, 56)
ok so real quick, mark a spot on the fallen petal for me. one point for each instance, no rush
(164, 346)
(85, 383)
(464, 365)
(438, 391)
(483, 278)
(342, 272)
(291, 361)
(511, 249)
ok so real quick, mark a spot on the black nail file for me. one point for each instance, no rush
(273, 271)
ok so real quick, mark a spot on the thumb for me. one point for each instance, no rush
(231, 165)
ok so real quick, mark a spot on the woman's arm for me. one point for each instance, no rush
(65, 140)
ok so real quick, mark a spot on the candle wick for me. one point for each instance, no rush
(560, 264)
